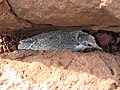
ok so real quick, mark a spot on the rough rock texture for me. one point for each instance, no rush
(46, 70)
(104, 39)
(35, 70)
(70, 12)
(8, 20)
(20, 14)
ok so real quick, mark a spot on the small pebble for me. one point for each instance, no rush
(104, 39)
(114, 48)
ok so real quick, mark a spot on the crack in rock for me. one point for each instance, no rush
(13, 12)
(109, 67)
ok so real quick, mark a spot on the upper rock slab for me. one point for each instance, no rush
(18, 14)
(68, 12)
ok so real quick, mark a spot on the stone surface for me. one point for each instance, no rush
(31, 70)
(8, 20)
(46, 70)
(22, 14)
(70, 12)
(104, 39)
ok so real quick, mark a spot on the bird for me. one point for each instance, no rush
(59, 40)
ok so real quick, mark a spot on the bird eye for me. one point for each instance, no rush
(89, 45)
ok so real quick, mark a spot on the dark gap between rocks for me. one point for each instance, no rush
(108, 40)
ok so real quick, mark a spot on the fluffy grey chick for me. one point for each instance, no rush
(59, 40)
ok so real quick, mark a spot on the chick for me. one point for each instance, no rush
(60, 40)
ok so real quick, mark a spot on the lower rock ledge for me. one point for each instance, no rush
(65, 70)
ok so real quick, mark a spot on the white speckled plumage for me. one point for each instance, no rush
(59, 40)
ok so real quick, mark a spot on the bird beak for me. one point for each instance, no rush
(97, 47)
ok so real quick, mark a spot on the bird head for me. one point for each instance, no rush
(85, 40)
